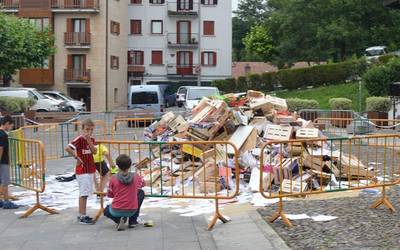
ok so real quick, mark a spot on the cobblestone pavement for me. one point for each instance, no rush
(357, 226)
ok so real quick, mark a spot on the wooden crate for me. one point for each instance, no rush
(278, 132)
(307, 133)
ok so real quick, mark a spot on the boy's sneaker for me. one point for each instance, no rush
(86, 220)
(9, 205)
(121, 224)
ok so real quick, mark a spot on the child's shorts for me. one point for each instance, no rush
(102, 168)
(86, 183)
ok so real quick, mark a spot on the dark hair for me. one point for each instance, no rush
(124, 162)
(6, 119)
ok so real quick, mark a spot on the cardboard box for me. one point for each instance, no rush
(240, 136)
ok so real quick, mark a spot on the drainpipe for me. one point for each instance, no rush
(199, 57)
(106, 56)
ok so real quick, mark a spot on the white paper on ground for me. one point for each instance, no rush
(323, 218)
(297, 216)
(259, 201)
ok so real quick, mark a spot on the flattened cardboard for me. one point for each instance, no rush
(239, 137)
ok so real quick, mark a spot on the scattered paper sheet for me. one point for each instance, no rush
(323, 218)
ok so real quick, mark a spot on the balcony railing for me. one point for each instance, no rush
(183, 71)
(136, 69)
(183, 40)
(77, 39)
(72, 5)
(77, 75)
(9, 4)
(183, 8)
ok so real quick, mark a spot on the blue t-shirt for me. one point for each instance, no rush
(4, 144)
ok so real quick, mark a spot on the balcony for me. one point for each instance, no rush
(183, 71)
(77, 75)
(36, 76)
(183, 8)
(183, 40)
(77, 40)
(9, 5)
(75, 5)
(136, 70)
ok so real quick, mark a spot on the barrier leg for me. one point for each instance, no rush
(384, 201)
(217, 216)
(280, 214)
(101, 209)
(38, 206)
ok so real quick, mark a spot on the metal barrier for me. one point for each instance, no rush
(196, 170)
(308, 167)
(27, 169)
(130, 129)
(56, 136)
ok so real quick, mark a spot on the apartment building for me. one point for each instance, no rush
(182, 41)
(104, 46)
(91, 39)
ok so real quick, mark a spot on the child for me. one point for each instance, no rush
(125, 189)
(101, 164)
(82, 148)
(6, 124)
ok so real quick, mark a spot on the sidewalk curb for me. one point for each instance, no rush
(268, 232)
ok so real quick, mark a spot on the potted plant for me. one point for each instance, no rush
(341, 113)
(377, 109)
(194, 40)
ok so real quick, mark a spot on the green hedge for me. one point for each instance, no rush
(15, 104)
(341, 104)
(327, 74)
(297, 104)
(379, 104)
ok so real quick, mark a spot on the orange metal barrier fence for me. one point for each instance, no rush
(27, 169)
(196, 170)
(314, 166)
(56, 136)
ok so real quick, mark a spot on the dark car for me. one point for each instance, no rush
(170, 100)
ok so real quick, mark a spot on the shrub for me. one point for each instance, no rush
(296, 104)
(340, 104)
(15, 104)
(241, 84)
(268, 80)
(377, 80)
(225, 86)
(385, 58)
(378, 104)
(254, 82)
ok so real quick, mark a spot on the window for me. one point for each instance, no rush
(156, 26)
(147, 97)
(136, 27)
(115, 95)
(156, 57)
(41, 23)
(209, 2)
(208, 58)
(135, 57)
(136, 1)
(208, 28)
(115, 28)
(157, 1)
(114, 62)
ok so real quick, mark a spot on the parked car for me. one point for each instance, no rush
(181, 95)
(373, 53)
(146, 99)
(71, 104)
(43, 103)
(195, 94)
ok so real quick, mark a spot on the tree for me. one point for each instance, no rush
(320, 30)
(22, 45)
(252, 11)
(239, 30)
(259, 42)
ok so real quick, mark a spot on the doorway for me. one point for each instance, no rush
(81, 94)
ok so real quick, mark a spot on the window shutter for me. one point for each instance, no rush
(141, 57)
(129, 57)
(202, 58)
(190, 4)
(87, 28)
(84, 62)
(69, 62)
(69, 25)
(132, 23)
(190, 58)
(215, 58)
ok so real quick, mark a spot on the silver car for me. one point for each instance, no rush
(71, 104)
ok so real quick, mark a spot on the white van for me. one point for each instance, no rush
(43, 103)
(146, 98)
(373, 53)
(195, 94)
